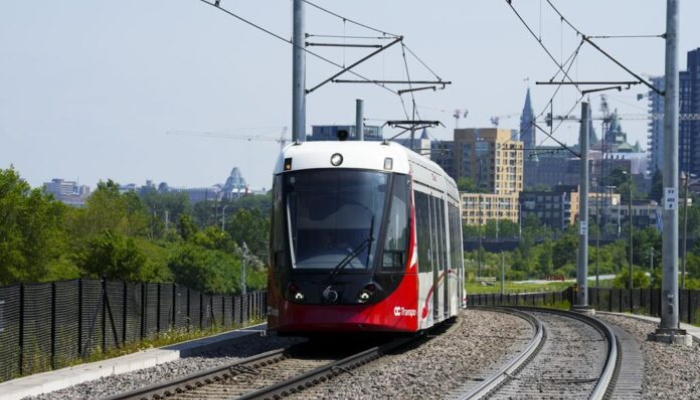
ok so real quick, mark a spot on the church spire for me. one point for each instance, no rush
(528, 134)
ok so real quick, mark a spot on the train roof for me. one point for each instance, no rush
(358, 155)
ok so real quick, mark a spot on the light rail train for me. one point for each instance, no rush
(365, 237)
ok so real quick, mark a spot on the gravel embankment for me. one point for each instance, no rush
(114, 384)
(670, 372)
(471, 352)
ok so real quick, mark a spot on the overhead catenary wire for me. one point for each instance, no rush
(539, 41)
(279, 37)
(589, 41)
(383, 32)
(662, 36)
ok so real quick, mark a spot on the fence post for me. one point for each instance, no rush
(53, 325)
(80, 317)
(201, 310)
(21, 328)
(143, 310)
(125, 302)
(158, 309)
(104, 314)
(189, 317)
(174, 307)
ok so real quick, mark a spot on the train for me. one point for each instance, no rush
(365, 236)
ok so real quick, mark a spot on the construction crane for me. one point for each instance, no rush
(459, 114)
(282, 140)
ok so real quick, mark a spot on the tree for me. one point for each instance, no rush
(32, 237)
(253, 228)
(114, 256)
(209, 271)
(565, 251)
(640, 280)
(466, 184)
(108, 209)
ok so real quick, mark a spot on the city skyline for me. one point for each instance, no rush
(91, 89)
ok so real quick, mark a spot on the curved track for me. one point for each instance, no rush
(570, 356)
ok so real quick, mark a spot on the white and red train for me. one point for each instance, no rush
(366, 237)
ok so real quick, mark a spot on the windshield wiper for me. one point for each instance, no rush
(358, 250)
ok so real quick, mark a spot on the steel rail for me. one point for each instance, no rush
(198, 379)
(517, 363)
(326, 372)
(605, 385)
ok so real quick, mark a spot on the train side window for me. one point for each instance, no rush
(423, 231)
(396, 241)
(278, 236)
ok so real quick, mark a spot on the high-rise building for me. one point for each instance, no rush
(689, 125)
(690, 105)
(490, 158)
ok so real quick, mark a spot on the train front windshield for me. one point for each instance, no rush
(327, 218)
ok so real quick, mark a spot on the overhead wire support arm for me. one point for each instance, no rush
(418, 89)
(604, 89)
(583, 83)
(619, 64)
(355, 64)
(372, 46)
(392, 82)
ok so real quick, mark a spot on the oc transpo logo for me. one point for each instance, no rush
(404, 312)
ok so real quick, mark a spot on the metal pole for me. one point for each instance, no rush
(359, 120)
(298, 74)
(631, 227)
(685, 228)
(582, 273)
(669, 290)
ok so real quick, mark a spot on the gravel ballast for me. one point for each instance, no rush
(115, 384)
(471, 351)
(670, 371)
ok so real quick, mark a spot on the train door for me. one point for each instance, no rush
(434, 255)
(444, 268)
(439, 265)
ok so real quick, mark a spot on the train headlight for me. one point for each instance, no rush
(367, 292)
(364, 296)
(296, 293)
(336, 159)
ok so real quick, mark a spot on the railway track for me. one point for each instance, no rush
(570, 356)
(270, 375)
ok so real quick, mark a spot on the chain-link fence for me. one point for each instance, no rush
(49, 325)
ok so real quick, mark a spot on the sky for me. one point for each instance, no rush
(90, 89)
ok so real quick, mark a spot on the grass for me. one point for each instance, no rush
(510, 287)
(169, 337)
